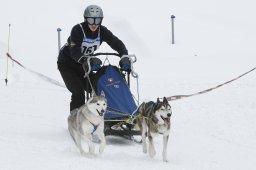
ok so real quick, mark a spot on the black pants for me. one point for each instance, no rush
(73, 76)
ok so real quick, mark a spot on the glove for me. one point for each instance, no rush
(95, 64)
(125, 63)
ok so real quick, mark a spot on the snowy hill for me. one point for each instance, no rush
(214, 42)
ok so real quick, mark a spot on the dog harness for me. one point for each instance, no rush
(152, 104)
(94, 127)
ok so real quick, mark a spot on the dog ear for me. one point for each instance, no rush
(157, 100)
(102, 93)
(165, 100)
(94, 94)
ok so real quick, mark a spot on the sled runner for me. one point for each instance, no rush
(115, 83)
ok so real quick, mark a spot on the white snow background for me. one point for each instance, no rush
(214, 42)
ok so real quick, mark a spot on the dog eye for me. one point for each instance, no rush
(98, 104)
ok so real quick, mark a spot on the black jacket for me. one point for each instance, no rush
(72, 52)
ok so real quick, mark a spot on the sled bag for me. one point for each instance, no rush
(117, 92)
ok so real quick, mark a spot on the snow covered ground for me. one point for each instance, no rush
(214, 42)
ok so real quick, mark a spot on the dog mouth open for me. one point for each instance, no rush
(100, 113)
(166, 119)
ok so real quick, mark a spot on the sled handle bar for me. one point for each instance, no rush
(93, 55)
(97, 54)
(116, 54)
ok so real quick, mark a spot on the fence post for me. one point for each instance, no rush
(172, 17)
(59, 43)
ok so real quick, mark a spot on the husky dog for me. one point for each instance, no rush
(153, 119)
(87, 121)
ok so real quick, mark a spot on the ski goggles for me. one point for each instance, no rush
(94, 21)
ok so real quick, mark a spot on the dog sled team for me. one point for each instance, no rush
(110, 108)
(152, 119)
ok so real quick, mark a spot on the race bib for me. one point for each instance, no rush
(90, 45)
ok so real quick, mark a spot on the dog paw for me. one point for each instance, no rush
(165, 160)
(92, 150)
(144, 150)
(152, 153)
(101, 150)
(82, 152)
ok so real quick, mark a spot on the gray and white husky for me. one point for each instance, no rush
(87, 121)
(153, 119)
